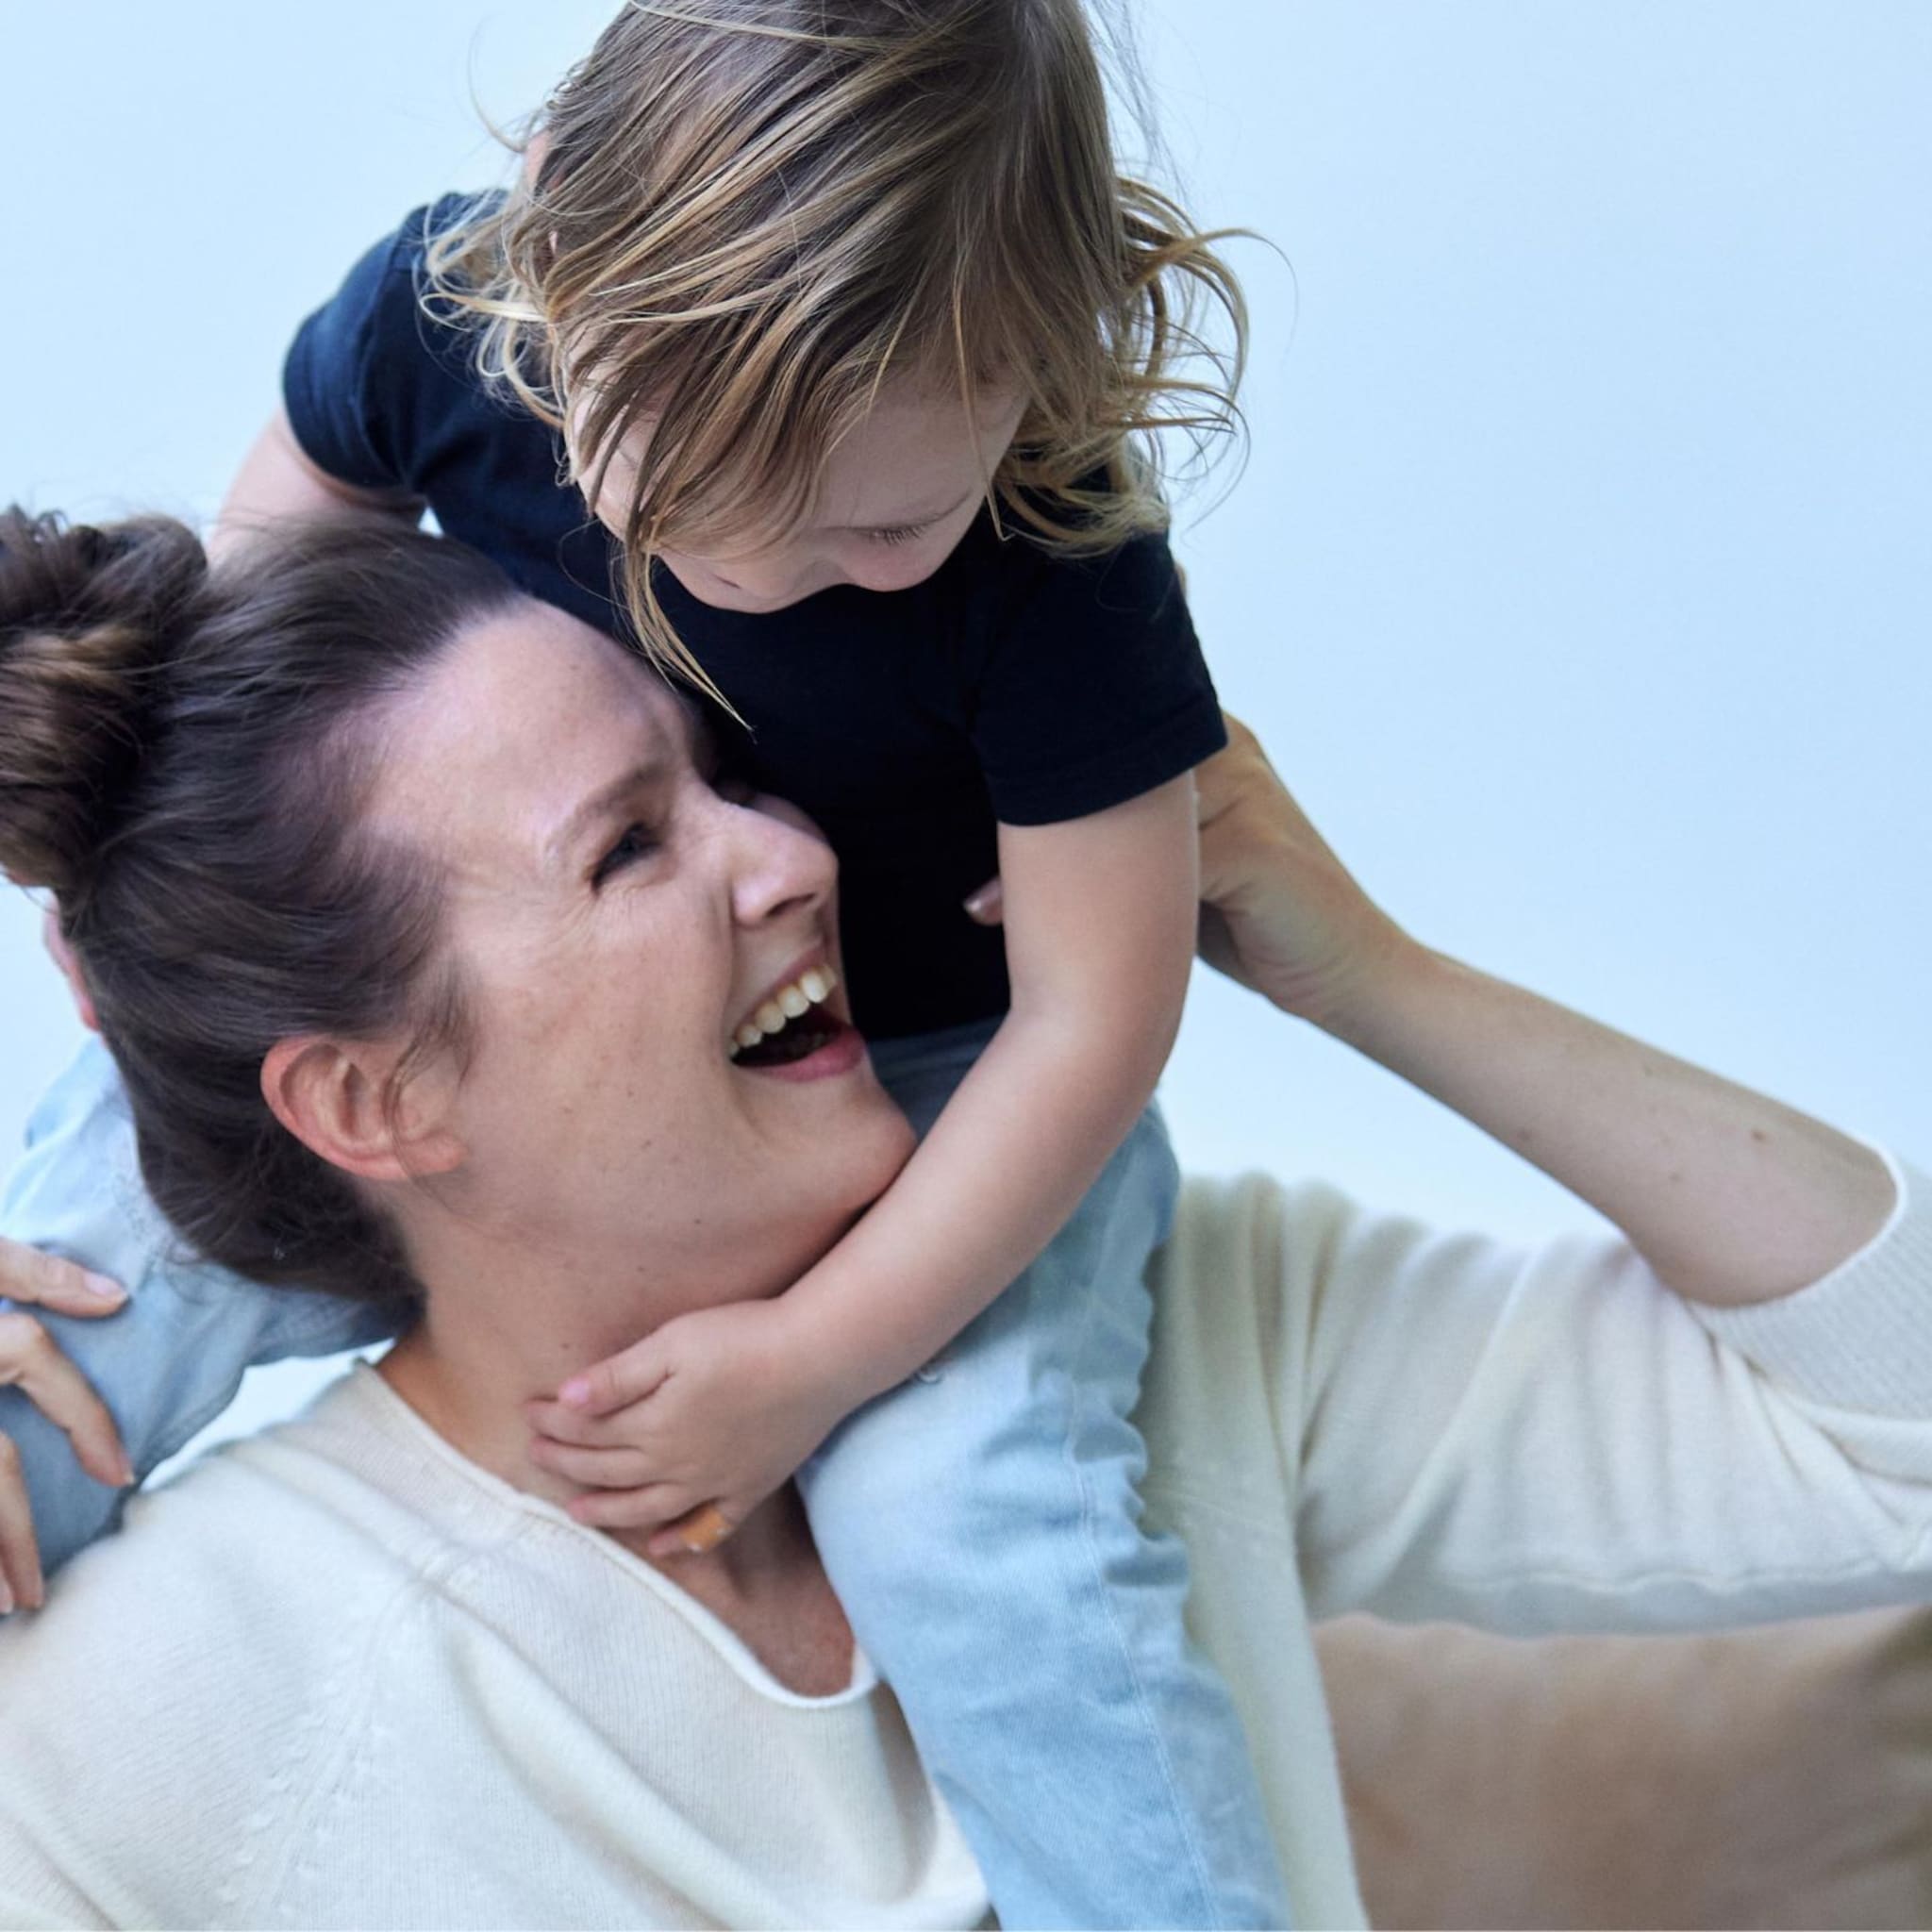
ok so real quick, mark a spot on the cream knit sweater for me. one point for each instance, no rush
(339, 1676)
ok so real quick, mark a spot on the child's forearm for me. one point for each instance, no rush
(1006, 1163)
(1099, 935)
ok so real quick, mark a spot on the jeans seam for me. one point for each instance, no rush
(1197, 1858)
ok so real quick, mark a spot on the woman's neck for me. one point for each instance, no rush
(504, 1334)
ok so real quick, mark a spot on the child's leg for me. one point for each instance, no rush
(981, 1524)
(171, 1359)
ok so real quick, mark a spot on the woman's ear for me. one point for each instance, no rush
(332, 1095)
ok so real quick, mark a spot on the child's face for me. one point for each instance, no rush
(895, 497)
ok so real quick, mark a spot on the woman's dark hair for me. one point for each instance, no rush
(184, 753)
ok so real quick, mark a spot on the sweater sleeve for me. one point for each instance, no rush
(1547, 1439)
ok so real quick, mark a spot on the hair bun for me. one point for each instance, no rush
(86, 615)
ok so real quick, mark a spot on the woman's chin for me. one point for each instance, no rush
(882, 1144)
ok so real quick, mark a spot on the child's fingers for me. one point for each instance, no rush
(615, 1382)
(44, 1280)
(19, 1554)
(30, 1362)
(650, 1507)
(563, 1425)
(988, 904)
(595, 1469)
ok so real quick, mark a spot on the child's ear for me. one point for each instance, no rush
(333, 1096)
(534, 150)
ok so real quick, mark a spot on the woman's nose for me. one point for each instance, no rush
(780, 865)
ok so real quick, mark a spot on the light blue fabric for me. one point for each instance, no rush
(981, 1525)
(171, 1360)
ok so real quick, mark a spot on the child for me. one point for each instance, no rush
(842, 321)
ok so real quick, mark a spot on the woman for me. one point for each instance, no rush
(380, 1677)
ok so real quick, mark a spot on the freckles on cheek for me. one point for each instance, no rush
(535, 1022)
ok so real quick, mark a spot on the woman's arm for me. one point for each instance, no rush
(1546, 1438)
(1730, 1196)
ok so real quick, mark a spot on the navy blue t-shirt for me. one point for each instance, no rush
(1013, 684)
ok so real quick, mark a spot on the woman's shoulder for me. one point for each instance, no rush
(232, 1564)
(1236, 1290)
(208, 1661)
(1243, 1235)
(240, 1585)
(1265, 1288)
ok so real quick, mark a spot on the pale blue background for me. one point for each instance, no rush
(1580, 575)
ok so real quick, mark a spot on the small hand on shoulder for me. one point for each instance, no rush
(31, 1362)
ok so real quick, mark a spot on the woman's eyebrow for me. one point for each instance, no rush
(602, 803)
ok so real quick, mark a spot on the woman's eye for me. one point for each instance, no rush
(899, 533)
(638, 842)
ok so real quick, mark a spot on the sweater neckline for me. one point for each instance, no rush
(362, 1386)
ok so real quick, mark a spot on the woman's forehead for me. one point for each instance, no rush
(529, 717)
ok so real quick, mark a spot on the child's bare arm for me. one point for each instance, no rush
(1100, 929)
(720, 1406)
(278, 479)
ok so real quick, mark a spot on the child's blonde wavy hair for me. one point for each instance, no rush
(738, 218)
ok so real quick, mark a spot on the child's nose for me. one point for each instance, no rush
(780, 575)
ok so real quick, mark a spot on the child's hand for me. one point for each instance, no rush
(718, 1407)
(30, 1362)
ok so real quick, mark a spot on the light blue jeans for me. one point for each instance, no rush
(171, 1360)
(981, 1523)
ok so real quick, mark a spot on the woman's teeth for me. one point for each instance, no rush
(812, 987)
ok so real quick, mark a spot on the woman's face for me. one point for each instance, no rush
(616, 923)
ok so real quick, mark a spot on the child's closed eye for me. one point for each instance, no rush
(897, 533)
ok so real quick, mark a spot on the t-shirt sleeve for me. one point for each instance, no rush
(1092, 688)
(369, 375)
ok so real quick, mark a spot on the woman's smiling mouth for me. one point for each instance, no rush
(795, 1032)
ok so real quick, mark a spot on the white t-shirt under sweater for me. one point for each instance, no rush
(339, 1676)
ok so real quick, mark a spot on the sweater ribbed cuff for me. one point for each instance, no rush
(1860, 1338)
